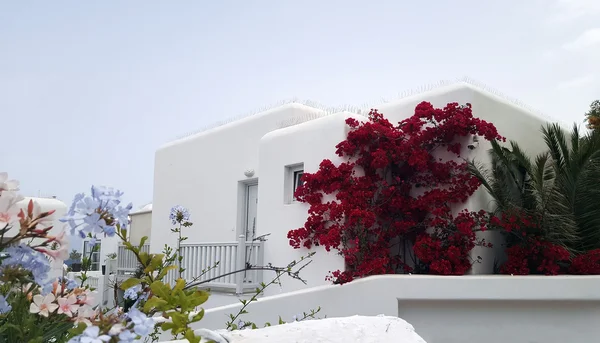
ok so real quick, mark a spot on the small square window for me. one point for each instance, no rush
(293, 180)
(92, 252)
(298, 179)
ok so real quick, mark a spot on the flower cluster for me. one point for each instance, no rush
(100, 213)
(23, 258)
(398, 181)
(75, 303)
(179, 214)
(529, 252)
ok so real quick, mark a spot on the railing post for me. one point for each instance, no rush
(240, 264)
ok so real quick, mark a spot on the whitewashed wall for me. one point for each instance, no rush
(512, 122)
(308, 143)
(141, 224)
(449, 309)
(202, 172)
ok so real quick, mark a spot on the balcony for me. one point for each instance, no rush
(205, 262)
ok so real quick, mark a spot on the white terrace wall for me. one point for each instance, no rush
(449, 309)
(206, 172)
(203, 172)
(141, 224)
(512, 122)
(311, 142)
(308, 144)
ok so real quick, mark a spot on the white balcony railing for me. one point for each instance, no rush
(91, 280)
(127, 263)
(205, 262)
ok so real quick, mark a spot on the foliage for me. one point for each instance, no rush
(397, 189)
(75, 255)
(593, 115)
(546, 206)
(34, 307)
(293, 269)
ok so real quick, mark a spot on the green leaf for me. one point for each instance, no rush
(191, 337)
(160, 289)
(156, 303)
(130, 283)
(164, 271)
(198, 316)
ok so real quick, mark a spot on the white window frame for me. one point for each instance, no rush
(94, 256)
(293, 174)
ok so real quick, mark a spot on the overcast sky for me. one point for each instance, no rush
(89, 90)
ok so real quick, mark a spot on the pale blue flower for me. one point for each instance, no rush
(99, 213)
(92, 335)
(24, 256)
(143, 325)
(131, 293)
(47, 288)
(179, 214)
(4, 305)
(128, 337)
(69, 283)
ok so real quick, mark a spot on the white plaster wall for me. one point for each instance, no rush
(512, 122)
(449, 309)
(308, 143)
(141, 224)
(201, 172)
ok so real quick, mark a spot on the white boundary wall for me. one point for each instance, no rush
(450, 309)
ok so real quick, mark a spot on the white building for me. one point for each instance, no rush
(238, 179)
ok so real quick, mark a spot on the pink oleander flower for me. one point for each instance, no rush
(67, 305)
(44, 305)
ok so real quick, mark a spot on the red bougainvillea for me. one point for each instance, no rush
(586, 264)
(528, 252)
(396, 189)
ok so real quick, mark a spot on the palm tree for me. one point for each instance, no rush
(561, 186)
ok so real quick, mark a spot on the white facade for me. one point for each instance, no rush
(448, 309)
(141, 222)
(215, 173)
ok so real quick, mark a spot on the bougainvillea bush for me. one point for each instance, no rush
(391, 206)
(547, 206)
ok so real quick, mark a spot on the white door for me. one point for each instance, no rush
(251, 210)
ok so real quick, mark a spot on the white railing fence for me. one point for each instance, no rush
(127, 263)
(92, 280)
(205, 262)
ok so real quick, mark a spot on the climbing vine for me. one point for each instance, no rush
(390, 207)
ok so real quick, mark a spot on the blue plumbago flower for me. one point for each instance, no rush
(97, 214)
(47, 288)
(131, 293)
(69, 283)
(144, 296)
(179, 214)
(24, 256)
(128, 337)
(143, 325)
(90, 335)
(4, 306)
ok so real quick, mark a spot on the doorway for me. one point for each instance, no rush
(251, 210)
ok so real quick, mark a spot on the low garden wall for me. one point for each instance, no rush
(449, 309)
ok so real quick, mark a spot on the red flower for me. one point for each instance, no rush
(393, 188)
